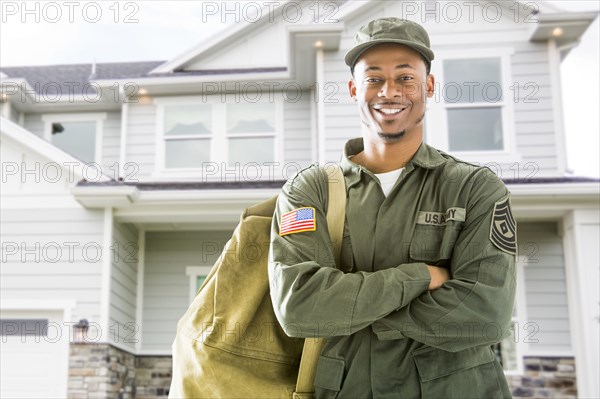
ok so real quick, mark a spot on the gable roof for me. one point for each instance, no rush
(347, 9)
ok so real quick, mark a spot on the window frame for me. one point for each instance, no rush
(437, 115)
(193, 272)
(97, 117)
(219, 148)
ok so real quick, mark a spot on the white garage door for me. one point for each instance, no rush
(33, 354)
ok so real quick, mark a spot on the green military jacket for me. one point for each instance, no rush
(387, 335)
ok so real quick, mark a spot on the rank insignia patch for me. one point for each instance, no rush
(298, 220)
(503, 231)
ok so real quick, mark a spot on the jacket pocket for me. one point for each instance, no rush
(434, 244)
(470, 373)
(329, 377)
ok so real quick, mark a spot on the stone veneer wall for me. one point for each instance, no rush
(153, 376)
(103, 371)
(100, 371)
(545, 377)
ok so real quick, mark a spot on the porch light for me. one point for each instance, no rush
(80, 331)
(319, 44)
(143, 92)
(558, 31)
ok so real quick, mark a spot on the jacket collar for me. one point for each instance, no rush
(426, 157)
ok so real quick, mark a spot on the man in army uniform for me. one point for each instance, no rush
(426, 282)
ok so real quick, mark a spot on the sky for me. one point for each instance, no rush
(62, 32)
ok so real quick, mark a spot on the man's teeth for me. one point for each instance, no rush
(389, 111)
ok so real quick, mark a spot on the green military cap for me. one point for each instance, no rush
(390, 30)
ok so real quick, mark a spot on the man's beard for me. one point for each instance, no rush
(390, 138)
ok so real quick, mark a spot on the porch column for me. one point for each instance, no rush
(582, 264)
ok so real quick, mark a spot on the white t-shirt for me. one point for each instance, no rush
(388, 179)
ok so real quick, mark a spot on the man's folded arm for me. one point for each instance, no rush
(310, 296)
(475, 306)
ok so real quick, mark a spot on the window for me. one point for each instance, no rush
(23, 327)
(471, 114)
(187, 130)
(197, 276)
(79, 135)
(510, 350)
(251, 133)
(199, 134)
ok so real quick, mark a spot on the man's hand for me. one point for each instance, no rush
(439, 276)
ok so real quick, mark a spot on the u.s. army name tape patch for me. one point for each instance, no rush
(503, 230)
(298, 220)
(439, 218)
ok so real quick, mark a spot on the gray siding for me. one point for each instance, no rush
(141, 139)
(111, 142)
(13, 114)
(166, 286)
(123, 284)
(545, 285)
(297, 130)
(57, 257)
(33, 123)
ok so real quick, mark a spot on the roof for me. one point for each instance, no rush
(75, 79)
(165, 186)
(237, 185)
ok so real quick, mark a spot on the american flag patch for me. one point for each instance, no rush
(301, 219)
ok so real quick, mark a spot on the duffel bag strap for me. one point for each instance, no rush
(336, 212)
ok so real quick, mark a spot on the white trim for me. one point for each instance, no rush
(123, 141)
(162, 82)
(155, 352)
(219, 40)
(159, 142)
(557, 107)
(554, 190)
(5, 112)
(581, 280)
(320, 71)
(437, 109)
(139, 308)
(74, 117)
(218, 141)
(105, 288)
(39, 304)
(193, 272)
(314, 136)
(97, 117)
(279, 133)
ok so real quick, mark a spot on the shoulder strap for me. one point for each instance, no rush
(336, 211)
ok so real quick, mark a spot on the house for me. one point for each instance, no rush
(121, 182)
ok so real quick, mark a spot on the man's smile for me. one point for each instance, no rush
(389, 111)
